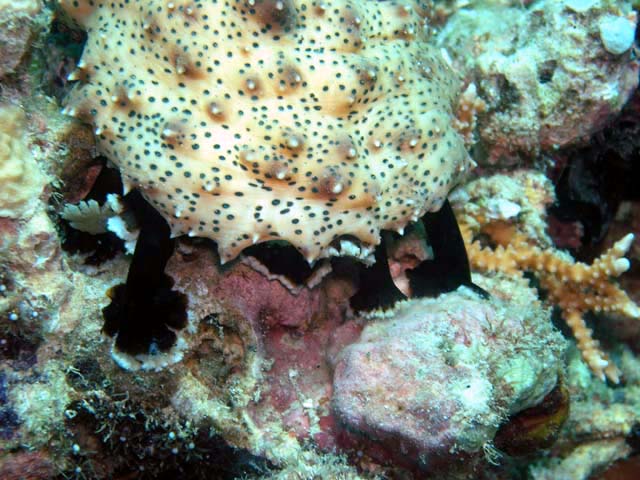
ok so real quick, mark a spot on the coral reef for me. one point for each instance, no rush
(575, 287)
(274, 373)
(551, 74)
(323, 114)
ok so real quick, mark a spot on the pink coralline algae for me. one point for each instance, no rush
(422, 388)
(432, 384)
(283, 335)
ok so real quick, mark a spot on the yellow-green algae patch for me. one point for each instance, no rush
(41, 405)
(21, 180)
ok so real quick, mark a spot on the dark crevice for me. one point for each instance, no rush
(376, 287)
(101, 247)
(597, 178)
(281, 259)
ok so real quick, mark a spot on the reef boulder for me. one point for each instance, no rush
(552, 74)
(433, 382)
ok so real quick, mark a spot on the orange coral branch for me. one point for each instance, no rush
(575, 287)
(469, 105)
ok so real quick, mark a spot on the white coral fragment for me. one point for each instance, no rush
(91, 217)
(87, 217)
(617, 34)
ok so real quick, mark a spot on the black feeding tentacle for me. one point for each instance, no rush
(284, 260)
(377, 289)
(145, 312)
(449, 268)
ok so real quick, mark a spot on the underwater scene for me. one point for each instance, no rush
(319, 239)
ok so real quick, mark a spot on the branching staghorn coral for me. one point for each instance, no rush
(575, 287)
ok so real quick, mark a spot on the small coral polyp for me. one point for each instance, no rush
(252, 120)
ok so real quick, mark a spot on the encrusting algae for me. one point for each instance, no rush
(253, 120)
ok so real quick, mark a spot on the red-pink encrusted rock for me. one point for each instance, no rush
(423, 387)
(282, 340)
(432, 382)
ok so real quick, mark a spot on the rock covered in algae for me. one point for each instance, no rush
(547, 72)
(16, 30)
(255, 120)
(21, 180)
(435, 380)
